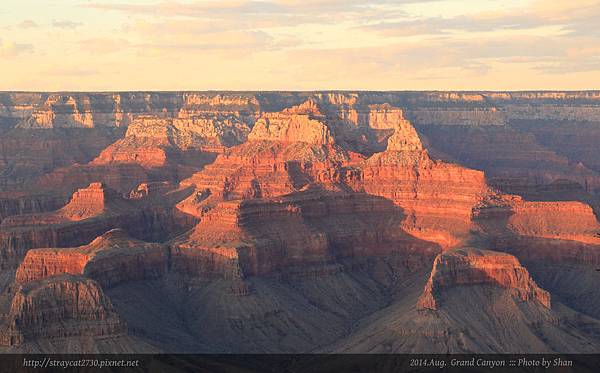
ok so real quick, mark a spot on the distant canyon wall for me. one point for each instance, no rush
(86, 110)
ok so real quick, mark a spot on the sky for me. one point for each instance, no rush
(118, 45)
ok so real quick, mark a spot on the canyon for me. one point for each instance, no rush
(300, 222)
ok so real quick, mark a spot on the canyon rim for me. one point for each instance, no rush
(300, 185)
(300, 222)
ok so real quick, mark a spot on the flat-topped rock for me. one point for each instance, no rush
(88, 202)
(57, 308)
(153, 141)
(473, 267)
(263, 236)
(110, 259)
(571, 220)
(302, 123)
(93, 201)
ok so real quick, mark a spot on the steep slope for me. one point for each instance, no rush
(486, 304)
(109, 259)
(263, 236)
(90, 212)
(285, 152)
(53, 312)
(437, 197)
(463, 267)
(299, 222)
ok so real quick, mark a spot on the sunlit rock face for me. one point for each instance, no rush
(467, 267)
(293, 222)
(110, 259)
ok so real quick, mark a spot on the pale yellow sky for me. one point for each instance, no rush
(299, 45)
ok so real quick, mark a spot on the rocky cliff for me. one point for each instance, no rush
(91, 212)
(86, 110)
(59, 308)
(437, 197)
(299, 221)
(151, 141)
(468, 267)
(109, 259)
(264, 236)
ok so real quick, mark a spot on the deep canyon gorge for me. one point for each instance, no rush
(300, 222)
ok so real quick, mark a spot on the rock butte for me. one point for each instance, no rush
(460, 267)
(263, 236)
(60, 307)
(109, 259)
(256, 222)
(91, 212)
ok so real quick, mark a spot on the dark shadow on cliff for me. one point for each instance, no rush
(310, 297)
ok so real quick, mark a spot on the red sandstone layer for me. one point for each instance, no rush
(110, 259)
(263, 236)
(467, 267)
(60, 307)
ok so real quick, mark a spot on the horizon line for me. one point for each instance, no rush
(306, 90)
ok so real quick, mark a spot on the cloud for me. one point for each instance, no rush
(177, 8)
(104, 45)
(173, 37)
(65, 24)
(10, 49)
(253, 13)
(309, 44)
(576, 16)
(28, 24)
(72, 71)
(562, 67)
(465, 57)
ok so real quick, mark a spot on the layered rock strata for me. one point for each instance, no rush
(28, 154)
(467, 267)
(110, 259)
(437, 197)
(315, 210)
(263, 236)
(154, 142)
(57, 308)
(285, 152)
(91, 212)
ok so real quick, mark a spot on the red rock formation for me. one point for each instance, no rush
(508, 155)
(567, 220)
(155, 142)
(88, 202)
(437, 197)
(361, 127)
(42, 263)
(564, 231)
(285, 152)
(264, 236)
(467, 267)
(151, 189)
(323, 185)
(85, 203)
(91, 212)
(110, 259)
(301, 123)
(28, 154)
(297, 149)
(60, 307)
